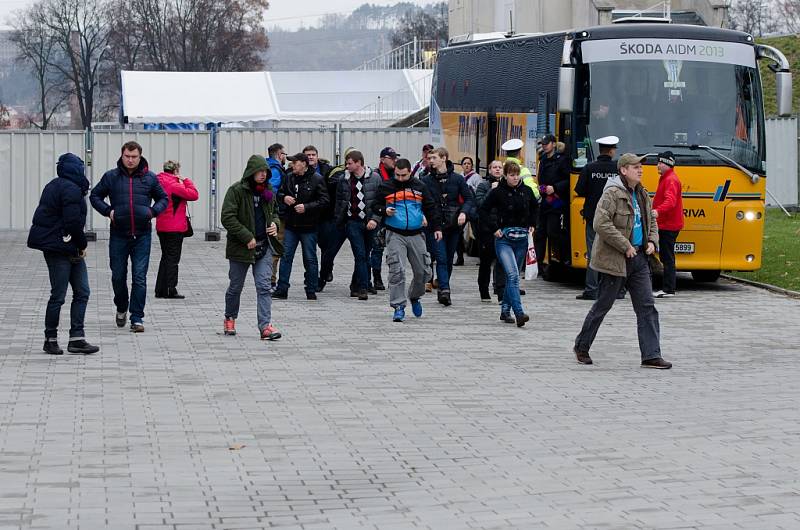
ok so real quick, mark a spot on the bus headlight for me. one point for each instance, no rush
(749, 216)
(749, 258)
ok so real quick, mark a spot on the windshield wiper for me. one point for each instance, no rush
(694, 147)
(753, 176)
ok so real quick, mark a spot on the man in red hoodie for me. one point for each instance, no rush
(668, 210)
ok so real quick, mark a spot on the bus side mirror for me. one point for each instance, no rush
(566, 89)
(783, 84)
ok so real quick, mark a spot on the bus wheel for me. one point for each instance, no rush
(705, 276)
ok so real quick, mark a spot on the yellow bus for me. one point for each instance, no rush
(693, 90)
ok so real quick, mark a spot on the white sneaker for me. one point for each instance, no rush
(663, 294)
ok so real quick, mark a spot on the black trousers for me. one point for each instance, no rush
(488, 258)
(666, 251)
(171, 246)
(549, 228)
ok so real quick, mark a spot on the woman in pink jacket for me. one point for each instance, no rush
(172, 226)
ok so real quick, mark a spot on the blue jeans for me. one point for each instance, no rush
(361, 241)
(442, 252)
(308, 241)
(509, 253)
(65, 272)
(120, 248)
(262, 271)
(376, 252)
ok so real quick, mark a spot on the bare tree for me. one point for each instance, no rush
(789, 12)
(38, 51)
(757, 17)
(424, 24)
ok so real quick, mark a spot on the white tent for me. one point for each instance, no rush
(235, 97)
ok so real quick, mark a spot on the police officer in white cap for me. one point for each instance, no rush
(591, 183)
(512, 149)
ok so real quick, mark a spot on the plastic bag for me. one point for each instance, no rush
(531, 264)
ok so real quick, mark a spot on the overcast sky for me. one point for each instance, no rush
(287, 13)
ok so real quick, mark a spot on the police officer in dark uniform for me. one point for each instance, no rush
(591, 183)
(553, 177)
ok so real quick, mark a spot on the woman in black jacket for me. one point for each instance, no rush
(58, 232)
(509, 212)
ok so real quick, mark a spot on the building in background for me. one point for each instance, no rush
(469, 17)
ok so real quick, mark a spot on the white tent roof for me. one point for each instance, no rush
(203, 97)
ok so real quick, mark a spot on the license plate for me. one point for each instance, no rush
(684, 248)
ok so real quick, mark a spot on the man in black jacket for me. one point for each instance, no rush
(136, 198)
(58, 232)
(591, 183)
(304, 196)
(553, 177)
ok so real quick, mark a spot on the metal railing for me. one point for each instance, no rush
(396, 105)
(417, 54)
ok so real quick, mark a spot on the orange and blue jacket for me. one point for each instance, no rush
(412, 202)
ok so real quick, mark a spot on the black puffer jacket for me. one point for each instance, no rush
(308, 189)
(61, 215)
(135, 199)
(451, 192)
(372, 184)
(507, 207)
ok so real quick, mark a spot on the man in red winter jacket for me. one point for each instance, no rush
(668, 210)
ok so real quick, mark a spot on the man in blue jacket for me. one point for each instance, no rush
(58, 232)
(136, 198)
(276, 158)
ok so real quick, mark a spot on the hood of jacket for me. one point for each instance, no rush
(141, 169)
(71, 167)
(273, 163)
(616, 182)
(255, 164)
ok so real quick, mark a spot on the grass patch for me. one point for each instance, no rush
(790, 46)
(780, 265)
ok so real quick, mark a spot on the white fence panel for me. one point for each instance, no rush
(782, 160)
(235, 146)
(408, 142)
(191, 148)
(28, 162)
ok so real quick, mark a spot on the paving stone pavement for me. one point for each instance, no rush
(452, 421)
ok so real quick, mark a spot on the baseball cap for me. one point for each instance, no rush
(388, 151)
(171, 165)
(547, 138)
(667, 158)
(299, 156)
(629, 159)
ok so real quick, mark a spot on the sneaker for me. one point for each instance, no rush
(486, 299)
(444, 298)
(663, 294)
(280, 295)
(270, 333)
(121, 318)
(521, 319)
(321, 285)
(81, 346)
(507, 318)
(230, 326)
(329, 277)
(428, 287)
(311, 296)
(362, 294)
(137, 327)
(585, 296)
(175, 295)
(416, 307)
(51, 347)
(399, 314)
(582, 356)
(657, 363)
(485, 296)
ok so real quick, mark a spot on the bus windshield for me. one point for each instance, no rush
(651, 103)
